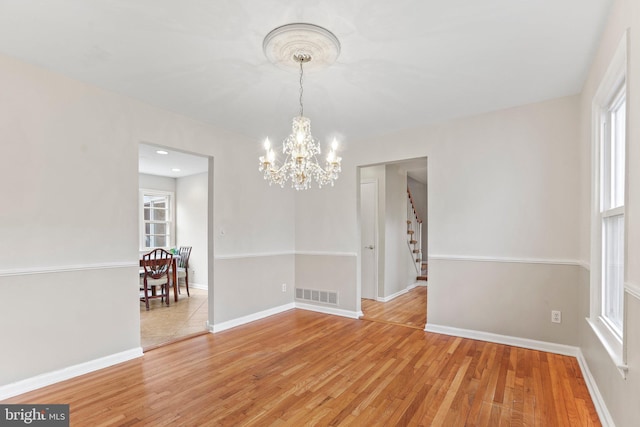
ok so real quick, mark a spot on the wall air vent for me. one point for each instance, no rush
(325, 297)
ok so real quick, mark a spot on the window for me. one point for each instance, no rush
(608, 215)
(157, 219)
(612, 172)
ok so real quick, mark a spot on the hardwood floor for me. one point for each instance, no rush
(409, 309)
(161, 324)
(305, 368)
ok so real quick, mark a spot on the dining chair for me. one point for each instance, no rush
(183, 266)
(157, 269)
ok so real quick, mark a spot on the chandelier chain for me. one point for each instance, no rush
(301, 90)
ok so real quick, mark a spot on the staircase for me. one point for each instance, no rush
(423, 272)
(414, 238)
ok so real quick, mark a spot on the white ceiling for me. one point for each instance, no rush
(174, 164)
(404, 63)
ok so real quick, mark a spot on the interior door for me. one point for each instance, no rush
(368, 215)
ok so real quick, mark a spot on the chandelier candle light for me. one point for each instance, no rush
(299, 44)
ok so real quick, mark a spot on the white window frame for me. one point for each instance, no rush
(171, 223)
(613, 85)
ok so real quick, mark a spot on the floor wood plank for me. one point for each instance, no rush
(408, 309)
(306, 368)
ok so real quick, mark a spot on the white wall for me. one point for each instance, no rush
(70, 217)
(191, 224)
(620, 395)
(396, 278)
(155, 182)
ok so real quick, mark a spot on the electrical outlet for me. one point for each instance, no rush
(556, 316)
(284, 287)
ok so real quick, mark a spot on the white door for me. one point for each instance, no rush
(368, 214)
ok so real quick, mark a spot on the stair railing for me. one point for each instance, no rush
(414, 232)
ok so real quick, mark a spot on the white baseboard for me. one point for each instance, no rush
(219, 327)
(592, 386)
(549, 347)
(199, 286)
(43, 380)
(397, 294)
(329, 310)
(392, 296)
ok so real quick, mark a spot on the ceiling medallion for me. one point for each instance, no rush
(283, 43)
(295, 45)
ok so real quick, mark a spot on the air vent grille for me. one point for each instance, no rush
(325, 297)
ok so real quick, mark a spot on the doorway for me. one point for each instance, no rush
(185, 179)
(393, 242)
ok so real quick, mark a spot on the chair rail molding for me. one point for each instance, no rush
(283, 253)
(253, 255)
(550, 261)
(632, 289)
(320, 253)
(66, 268)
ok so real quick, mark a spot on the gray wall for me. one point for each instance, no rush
(507, 298)
(330, 272)
(246, 285)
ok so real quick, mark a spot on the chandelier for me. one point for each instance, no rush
(301, 43)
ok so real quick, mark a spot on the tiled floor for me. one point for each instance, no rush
(162, 324)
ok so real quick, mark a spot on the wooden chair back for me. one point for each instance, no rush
(184, 252)
(157, 263)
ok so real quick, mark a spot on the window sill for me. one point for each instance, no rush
(611, 344)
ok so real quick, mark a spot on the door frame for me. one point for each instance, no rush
(360, 246)
(210, 220)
